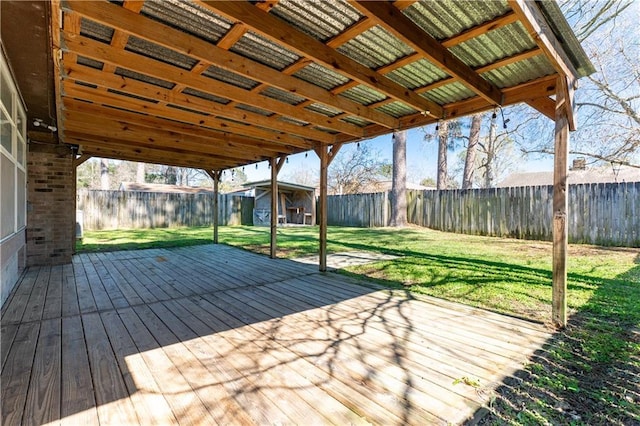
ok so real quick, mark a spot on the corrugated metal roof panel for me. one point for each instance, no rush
(129, 95)
(160, 53)
(229, 77)
(95, 30)
(144, 78)
(352, 119)
(520, 72)
(187, 109)
(363, 95)
(257, 110)
(397, 109)
(324, 129)
(203, 95)
(488, 48)
(449, 93)
(323, 109)
(445, 18)
(262, 50)
(88, 62)
(417, 74)
(282, 96)
(321, 76)
(320, 19)
(375, 47)
(293, 121)
(187, 17)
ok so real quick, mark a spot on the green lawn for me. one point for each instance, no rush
(588, 374)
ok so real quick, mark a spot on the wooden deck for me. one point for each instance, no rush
(216, 335)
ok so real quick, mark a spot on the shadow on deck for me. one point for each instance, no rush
(213, 334)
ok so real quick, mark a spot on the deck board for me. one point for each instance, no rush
(216, 335)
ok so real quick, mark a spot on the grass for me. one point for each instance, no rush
(588, 373)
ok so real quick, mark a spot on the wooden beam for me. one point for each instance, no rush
(560, 207)
(281, 160)
(357, 28)
(155, 32)
(187, 117)
(274, 207)
(215, 174)
(536, 24)
(394, 21)
(501, 21)
(78, 110)
(149, 91)
(283, 34)
(57, 54)
(157, 137)
(541, 87)
(80, 160)
(114, 149)
(545, 105)
(87, 47)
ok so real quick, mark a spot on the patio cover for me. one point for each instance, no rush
(217, 84)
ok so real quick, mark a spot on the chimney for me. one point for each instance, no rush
(579, 163)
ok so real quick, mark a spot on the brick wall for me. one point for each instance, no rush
(51, 194)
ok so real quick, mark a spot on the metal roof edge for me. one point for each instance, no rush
(563, 31)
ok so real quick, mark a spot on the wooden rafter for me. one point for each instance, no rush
(535, 23)
(542, 87)
(95, 50)
(305, 45)
(223, 142)
(145, 28)
(137, 88)
(394, 21)
(123, 102)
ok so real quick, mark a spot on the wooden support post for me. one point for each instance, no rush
(326, 155)
(560, 205)
(77, 160)
(215, 175)
(274, 206)
(324, 166)
(276, 165)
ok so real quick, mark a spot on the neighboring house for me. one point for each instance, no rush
(578, 174)
(160, 187)
(385, 186)
(296, 203)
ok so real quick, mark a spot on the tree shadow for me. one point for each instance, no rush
(588, 373)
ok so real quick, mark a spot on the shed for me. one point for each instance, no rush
(296, 203)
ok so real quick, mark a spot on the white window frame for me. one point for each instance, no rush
(18, 139)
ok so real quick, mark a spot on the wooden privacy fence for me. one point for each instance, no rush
(361, 210)
(128, 209)
(603, 214)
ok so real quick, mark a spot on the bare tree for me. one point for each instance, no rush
(354, 168)
(140, 173)
(302, 175)
(443, 142)
(470, 160)
(105, 182)
(399, 180)
(608, 101)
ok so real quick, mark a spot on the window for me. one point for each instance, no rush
(13, 127)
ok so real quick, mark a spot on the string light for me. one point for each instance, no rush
(256, 166)
(358, 145)
(306, 154)
(504, 122)
(287, 160)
